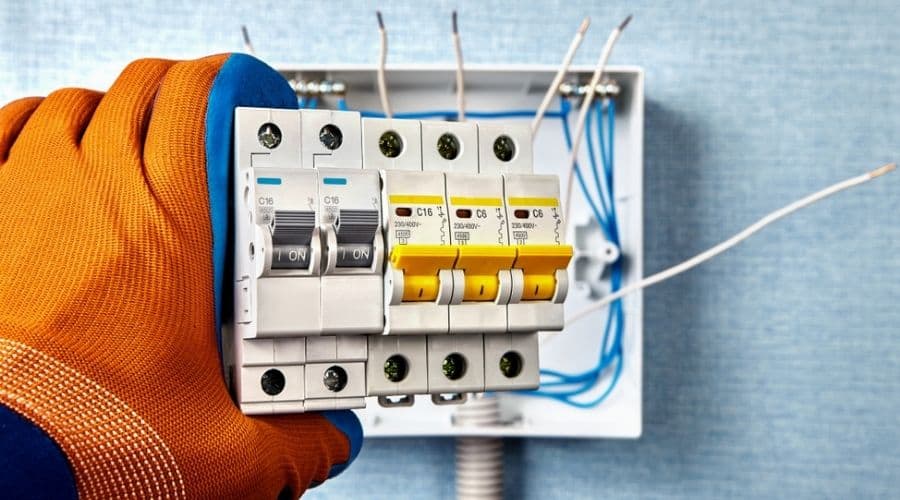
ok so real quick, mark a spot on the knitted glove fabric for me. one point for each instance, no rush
(113, 241)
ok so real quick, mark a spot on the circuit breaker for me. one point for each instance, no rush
(388, 258)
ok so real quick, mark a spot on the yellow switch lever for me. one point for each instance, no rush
(539, 264)
(420, 265)
(481, 264)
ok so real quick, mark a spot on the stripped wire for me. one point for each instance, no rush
(560, 74)
(248, 46)
(382, 60)
(586, 107)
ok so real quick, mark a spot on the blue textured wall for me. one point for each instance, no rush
(773, 371)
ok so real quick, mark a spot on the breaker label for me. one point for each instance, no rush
(478, 224)
(539, 222)
(354, 255)
(419, 219)
(290, 257)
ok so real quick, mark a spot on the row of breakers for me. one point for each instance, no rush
(388, 258)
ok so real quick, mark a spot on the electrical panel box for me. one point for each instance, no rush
(401, 264)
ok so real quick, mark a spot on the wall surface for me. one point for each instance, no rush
(773, 371)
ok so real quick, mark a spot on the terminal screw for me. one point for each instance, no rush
(331, 137)
(269, 135)
(504, 148)
(335, 379)
(511, 364)
(448, 146)
(390, 144)
(396, 368)
(272, 382)
(454, 366)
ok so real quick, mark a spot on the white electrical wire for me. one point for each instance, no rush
(734, 240)
(460, 82)
(560, 74)
(382, 60)
(586, 107)
(248, 46)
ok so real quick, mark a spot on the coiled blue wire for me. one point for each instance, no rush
(566, 387)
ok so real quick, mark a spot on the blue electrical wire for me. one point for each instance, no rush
(342, 104)
(601, 218)
(568, 386)
(451, 115)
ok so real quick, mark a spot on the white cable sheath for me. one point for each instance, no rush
(586, 107)
(734, 240)
(382, 61)
(479, 460)
(460, 81)
(560, 74)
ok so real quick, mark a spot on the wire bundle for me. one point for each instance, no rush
(570, 388)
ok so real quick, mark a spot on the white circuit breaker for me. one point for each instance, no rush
(388, 258)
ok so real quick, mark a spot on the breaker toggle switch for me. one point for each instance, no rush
(291, 236)
(424, 272)
(483, 266)
(356, 231)
(541, 266)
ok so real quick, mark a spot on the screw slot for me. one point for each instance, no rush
(272, 382)
(448, 146)
(391, 144)
(331, 137)
(504, 148)
(335, 378)
(511, 364)
(396, 368)
(269, 135)
(454, 366)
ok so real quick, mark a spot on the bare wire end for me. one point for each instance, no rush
(878, 172)
(625, 22)
(585, 24)
(246, 34)
(380, 20)
(455, 26)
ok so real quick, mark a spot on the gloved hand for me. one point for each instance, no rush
(113, 236)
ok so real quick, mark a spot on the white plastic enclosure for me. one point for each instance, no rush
(501, 88)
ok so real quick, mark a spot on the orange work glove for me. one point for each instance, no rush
(113, 235)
